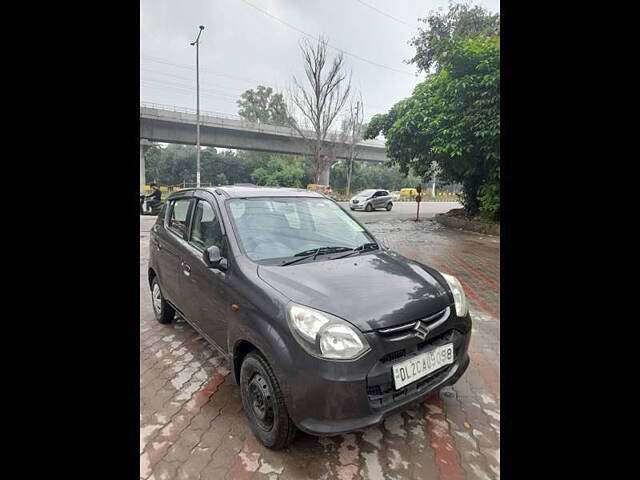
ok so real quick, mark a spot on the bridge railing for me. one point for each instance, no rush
(192, 111)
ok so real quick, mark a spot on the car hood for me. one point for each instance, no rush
(371, 290)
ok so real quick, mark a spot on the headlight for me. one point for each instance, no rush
(459, 298)
(325, 335)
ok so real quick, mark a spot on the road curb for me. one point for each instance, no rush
(468, 224)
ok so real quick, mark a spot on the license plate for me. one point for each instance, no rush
(422, 365)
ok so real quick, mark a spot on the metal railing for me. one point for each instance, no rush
(173, 108)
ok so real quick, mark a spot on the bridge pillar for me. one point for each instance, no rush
(144, 146)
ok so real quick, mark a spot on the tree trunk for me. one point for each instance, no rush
(325, 174)
(470, 201)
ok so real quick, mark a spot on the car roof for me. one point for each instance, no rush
(244, 191)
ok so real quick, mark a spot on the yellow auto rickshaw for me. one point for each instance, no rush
(408, 193)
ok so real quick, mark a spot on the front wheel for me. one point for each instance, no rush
(369, 207)
(263, 403)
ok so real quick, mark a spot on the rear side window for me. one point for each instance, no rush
(177, 221)
(205, 230)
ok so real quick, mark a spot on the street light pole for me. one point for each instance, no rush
(197, 44)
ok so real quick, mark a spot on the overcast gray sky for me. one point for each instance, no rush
(242, 47)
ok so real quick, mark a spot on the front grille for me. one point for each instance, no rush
(400, 332)
(380, 385)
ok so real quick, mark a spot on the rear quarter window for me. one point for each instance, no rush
(162, 214)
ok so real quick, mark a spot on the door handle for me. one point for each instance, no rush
(186, 269)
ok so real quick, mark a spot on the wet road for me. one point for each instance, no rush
(403, 210)
(191, 419)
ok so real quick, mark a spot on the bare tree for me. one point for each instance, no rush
(318, 103)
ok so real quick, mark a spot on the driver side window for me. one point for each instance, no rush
(205, 227)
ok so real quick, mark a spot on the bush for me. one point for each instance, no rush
(489, 198)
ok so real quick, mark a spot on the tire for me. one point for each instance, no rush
(163, 311)
(389, 206)
(369, 207)
(263, 403)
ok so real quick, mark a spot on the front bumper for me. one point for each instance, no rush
(342, 396)
(357, 206)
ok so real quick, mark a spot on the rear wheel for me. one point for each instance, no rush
(369, 207)
(163, 311)
(263, 403)
(389, 206)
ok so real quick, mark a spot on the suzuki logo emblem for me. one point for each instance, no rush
(421, 330)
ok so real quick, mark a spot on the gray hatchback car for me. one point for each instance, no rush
(370, 200)
(325, 329)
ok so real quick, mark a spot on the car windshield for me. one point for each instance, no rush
(278, 228)
(366, 193)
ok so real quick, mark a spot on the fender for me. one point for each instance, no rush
(267, 336)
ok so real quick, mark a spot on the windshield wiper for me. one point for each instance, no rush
(358, 250)
(314, 252)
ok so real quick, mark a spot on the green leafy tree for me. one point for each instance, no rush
(453, 118)
(171, 165)
(280, 171)
(221, 179)
(382, 122)
(372, 176)
(460, 21)
(174, 164)
(263, 105)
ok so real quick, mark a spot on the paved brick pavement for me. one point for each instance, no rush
(192, 425)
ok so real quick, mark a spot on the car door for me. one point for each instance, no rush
(384, 198)
(377, 202)
(170, 245)
(208, 306)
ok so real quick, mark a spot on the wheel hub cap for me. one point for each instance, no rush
(157, 298)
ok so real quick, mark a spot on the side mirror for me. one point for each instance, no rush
(213, 259)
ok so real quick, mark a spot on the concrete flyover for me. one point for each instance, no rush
(167, 124)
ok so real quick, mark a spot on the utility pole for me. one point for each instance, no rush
(433, 187)
(197, 44)
(355, 119)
